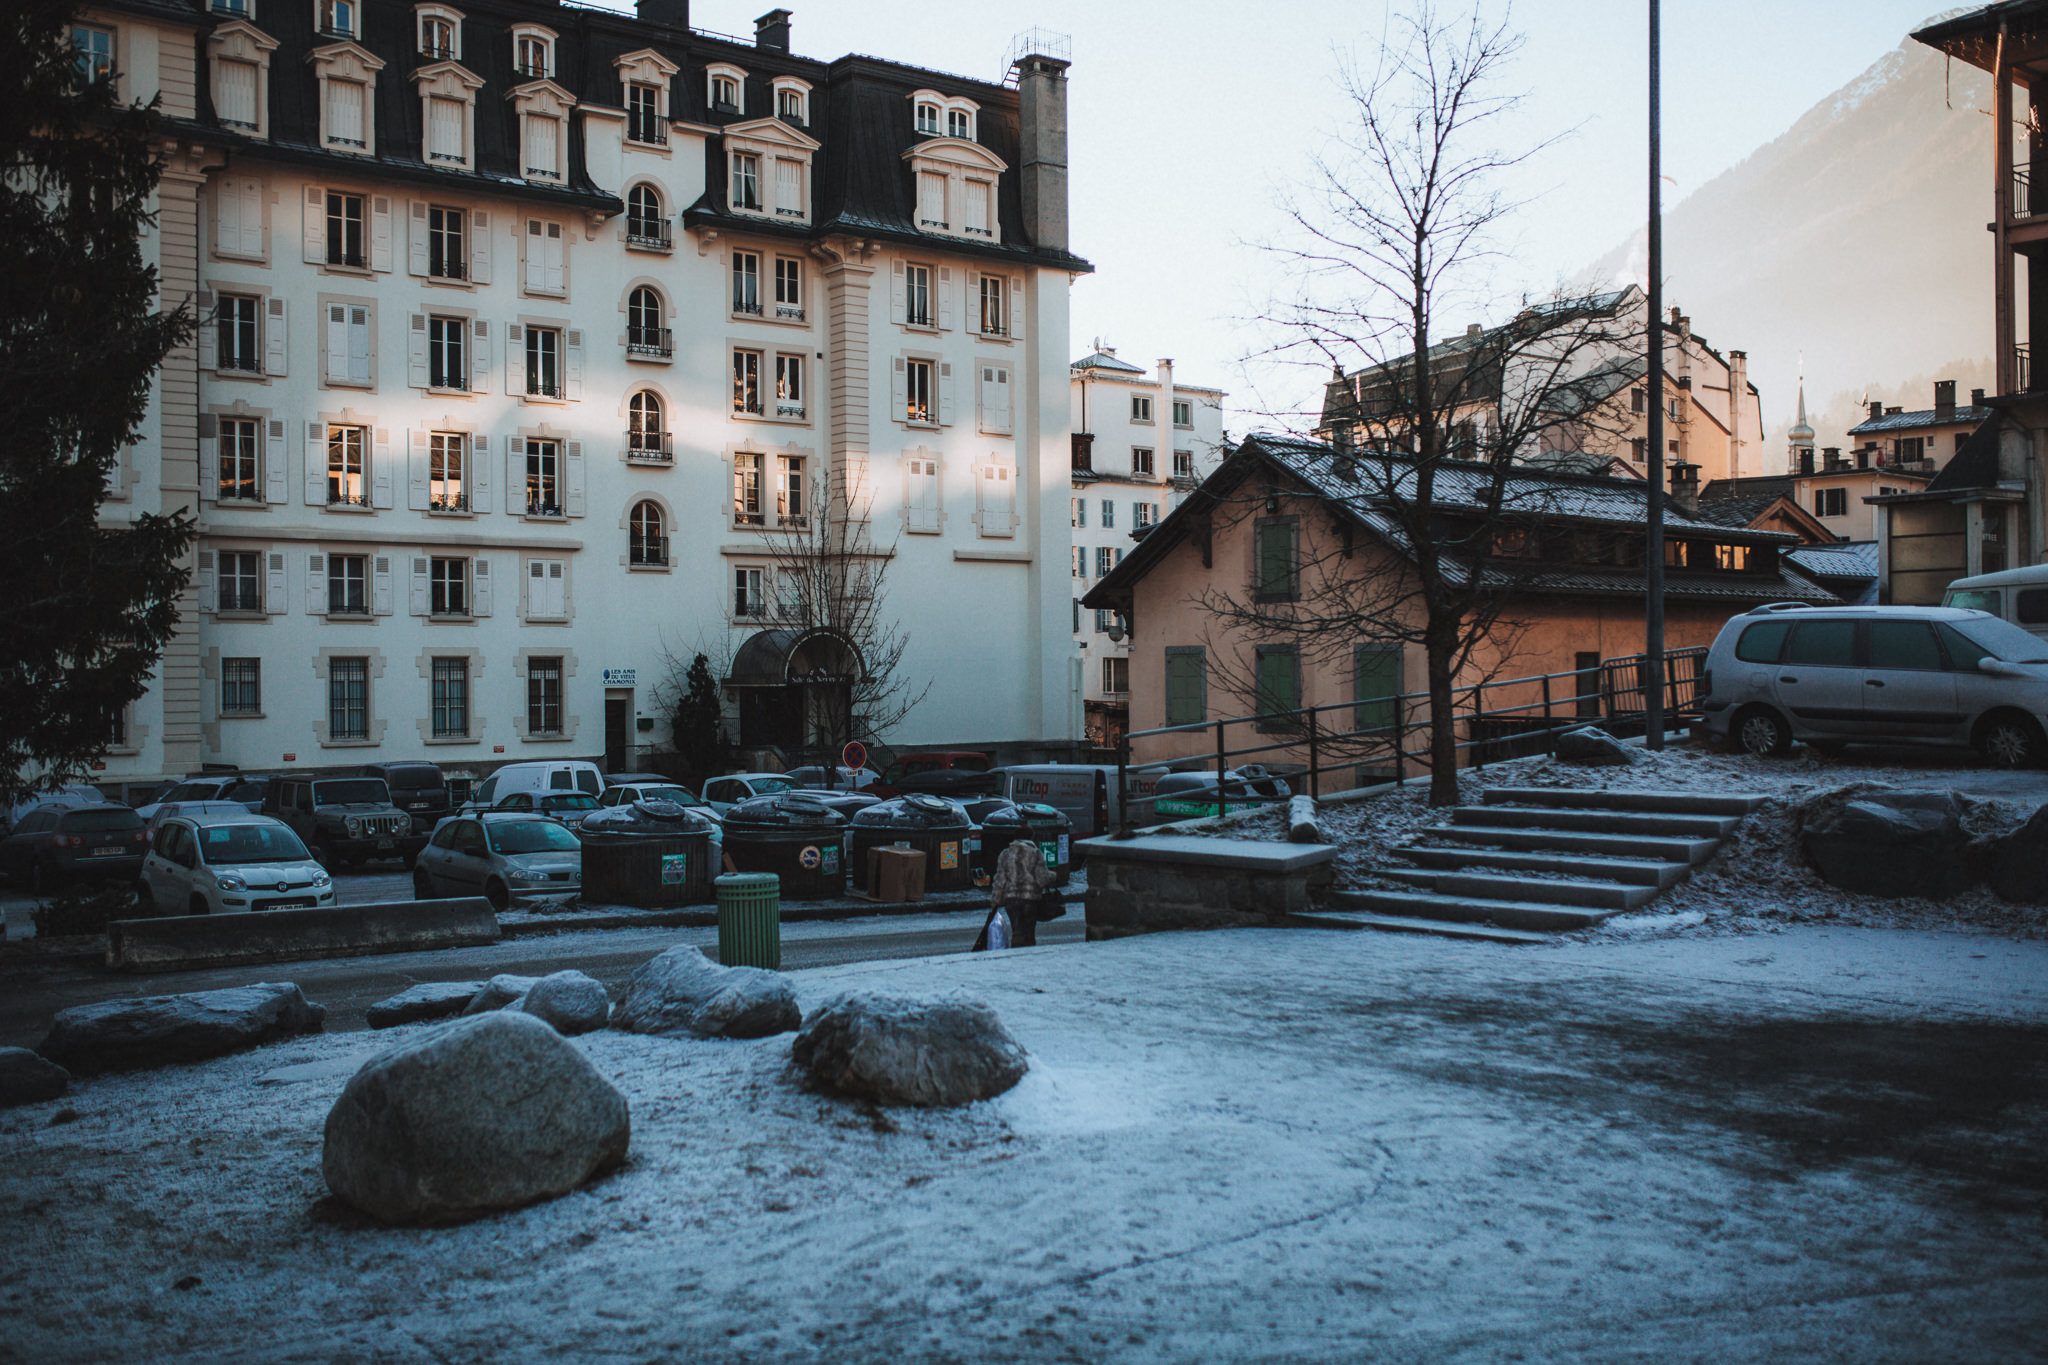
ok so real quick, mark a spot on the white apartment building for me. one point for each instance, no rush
(1141, 442)
(536, 333)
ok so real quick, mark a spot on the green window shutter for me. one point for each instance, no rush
(1279, 682)
(1375, 682)
(1276, 566)
(1186, 688)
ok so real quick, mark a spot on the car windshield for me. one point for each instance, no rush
(682, 796)
(351, 791)
(2006, 641)
(97, 818)
(530, 836)
(765, 786)
(225, 844)
(1974, 599)
(568, 801)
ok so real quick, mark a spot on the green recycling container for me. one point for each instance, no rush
(750, 919)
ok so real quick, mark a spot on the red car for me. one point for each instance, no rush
(954, 773)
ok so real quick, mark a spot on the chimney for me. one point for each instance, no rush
(1876, 411)
(1976, 398)
(1042, 122)
(771, 31)
(1806, 460)
(1685, 486)
(667, 13)
(1945, 395)
(1473, 329)
(1831, 457)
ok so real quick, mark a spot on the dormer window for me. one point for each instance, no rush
(746, 181)
(959, 123)
(238, 58)
(448, 113)
(938, 115)
(543, 108)
(645, 75)
(769, 170)
(533, 52)
(440, 33)
(928, 118)
(347, 112)
(338, 18)
(792, 101)
(643, 124)
(956, 180)
(725, 89)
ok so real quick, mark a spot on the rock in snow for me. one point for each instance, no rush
(477, 1114)
(428, 1000)
(682, 991)
(498, 992)
(2019, 863)
(1589, 744)
(571, 1001)
(116, 1035)
(1888, 843)
(899, 1051)
(26, 1078)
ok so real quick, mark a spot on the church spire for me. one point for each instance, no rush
(1800, 438)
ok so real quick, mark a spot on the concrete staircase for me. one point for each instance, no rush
(1534, 861)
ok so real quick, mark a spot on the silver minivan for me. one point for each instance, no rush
(1831, 676)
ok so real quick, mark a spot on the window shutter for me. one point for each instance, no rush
(416, 352)
(975, 213)
(444, 129)
(515, 475)
(250, 195)
(273, 463)
(359, 345)
(274, 337)
(480, 475)
(337, 343)
(380, 583)
(479, 247)
(380, 232)
(899, 389)
(209, 456)
(380, 471)
(1016, 318)
(536, 264)
(945, 393)
(575, 364)
(417, 602)
(316, 464)
(896, 313)
(416, 240)
(557, 259)
(418, 446)
(995, 400)
(573, 501)
(227, 216)
(480, 357)
(789, 185)
(945, 298)
(315, 236)
(273, 586)
(480, 587)
(208, 333)
(204, 579)
(515, 360)
(1376, 681)
(316, 584)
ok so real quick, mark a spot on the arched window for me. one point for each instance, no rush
(645, 336)
(646, 224)
(646, 437)
(648, 543)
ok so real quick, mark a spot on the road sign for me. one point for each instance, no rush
(854, 755)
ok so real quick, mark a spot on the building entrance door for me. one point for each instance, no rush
(618, 713)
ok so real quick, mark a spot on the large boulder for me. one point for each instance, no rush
(1593, 746)
(2019, 862)
(116, 1035)
(426, 1001)
(1883, 842)
(481, 1113)
(570, 1001)
(26, 1078)
(683, 992)
(898, 1051)
(498, 992)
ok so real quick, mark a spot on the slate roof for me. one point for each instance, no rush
(1736, 511)
(1102, 360)
(1849, 559)
(1924, 417)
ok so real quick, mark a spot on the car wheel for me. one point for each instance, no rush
(422, 885)
(497, 895)
(2009, 741)
(198, 906)
(1762, 732)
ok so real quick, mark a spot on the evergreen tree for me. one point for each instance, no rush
(699, 713)
(89, 604)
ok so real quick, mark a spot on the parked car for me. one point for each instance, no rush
(941, 772)
(723, 793)
(417, 787)
(568, 807)
(344, 820)
(504, 856)
(2016, 595)
(836, 778)
(1830, 676)
(1191, 795)
(58, 843)
(559, 775)
(164, 810)
(75, 794)
(228, 862)
(246, 791)
(651, 789)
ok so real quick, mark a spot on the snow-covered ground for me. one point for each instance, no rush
(1813, 1143)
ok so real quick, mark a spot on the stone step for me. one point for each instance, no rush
(1396, 924)
(1600, 821)
(1675, 803)
(1562, 890)
(1633, 871)
(1504, 914)
(1663, 849)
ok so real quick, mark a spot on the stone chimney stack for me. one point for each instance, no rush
(1976, 398)
(771, 31)
(1945, 395)
(1685, 486)
(1042, 119)
(668, 13)
(1876, 411)
(1738, 398)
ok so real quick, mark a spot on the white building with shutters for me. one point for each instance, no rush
(509, 389)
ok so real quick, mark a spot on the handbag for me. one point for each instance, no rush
(1051, 905)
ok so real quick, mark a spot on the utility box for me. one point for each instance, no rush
(895, 873)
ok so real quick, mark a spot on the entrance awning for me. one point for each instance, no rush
(777, 658)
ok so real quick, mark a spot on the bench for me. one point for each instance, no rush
(1185, 881)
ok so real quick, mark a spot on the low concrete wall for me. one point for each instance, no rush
(187, 941)
(1179, 881)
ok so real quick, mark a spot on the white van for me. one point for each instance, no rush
(557, 775)
(1086, 793)
(2016, 595)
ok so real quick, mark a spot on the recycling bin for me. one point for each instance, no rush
(1047, 826)
(798, 837)
(933, 825)
(648, 854)
(749, 920)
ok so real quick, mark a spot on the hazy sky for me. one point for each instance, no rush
(1187, 119)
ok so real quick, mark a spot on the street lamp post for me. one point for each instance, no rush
(1653, 556)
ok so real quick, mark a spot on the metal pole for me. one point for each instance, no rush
(1123, 786)
(1653, 547)
(1221, 758)
(1315, 786)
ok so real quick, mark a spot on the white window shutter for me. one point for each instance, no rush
(479, 247)
(480, 475)
(557, 259)
(789, 185)
(536, 264)
(480, 356)
(274, 336)
(359, 345)
(274, 584)
(337, 343)
(380, 471)
(273, 463)
(573, 502)
(1016, 318)
(315, 242)
(419, 603)
(515, 360)
(480, 587)
(227, 216)
(575, 364)
(416, 240)
(418, 445)
(380, 232)
(316, 464)
(899, 389)
(208, 333)
(896, 288)
(945, 298)
(416, 352)
(945, 393)
(515, 475)
(250, 193)
(380, 585)
(209, 455)
(204, 578)
(316, 584)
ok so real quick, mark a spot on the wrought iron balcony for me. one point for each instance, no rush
(648, 551)
(654, 343)
(2022, 205)
(649, 233)
(649, 447)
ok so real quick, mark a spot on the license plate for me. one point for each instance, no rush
(303, 903)
(109, 852)
(387, 843)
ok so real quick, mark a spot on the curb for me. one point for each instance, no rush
(706, 917)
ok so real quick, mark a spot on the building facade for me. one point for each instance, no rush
(1141, 443)
(540, 341)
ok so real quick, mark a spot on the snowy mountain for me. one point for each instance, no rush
(1856, 238)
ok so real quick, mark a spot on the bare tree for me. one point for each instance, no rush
(1402, 219)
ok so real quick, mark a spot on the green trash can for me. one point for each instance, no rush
(750, 919)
